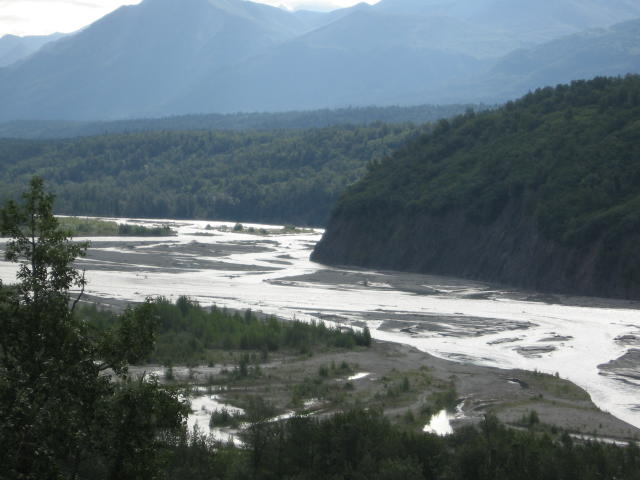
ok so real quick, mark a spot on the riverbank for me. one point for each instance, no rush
(452, 319)
(408, 385)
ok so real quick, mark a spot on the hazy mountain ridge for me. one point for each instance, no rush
(534, 21)
(607, 51)
(164, 57)
(296, 120)
(14, 48)
(137, 56)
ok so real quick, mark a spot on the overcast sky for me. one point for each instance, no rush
(42, 17)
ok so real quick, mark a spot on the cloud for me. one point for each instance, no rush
(321, 5)
(42, 17)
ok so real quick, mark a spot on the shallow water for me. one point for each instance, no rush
(439, 424)
(451, 318)
(202, 407)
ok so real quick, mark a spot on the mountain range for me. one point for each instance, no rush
(171, 57)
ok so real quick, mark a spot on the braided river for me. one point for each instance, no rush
(593, 342)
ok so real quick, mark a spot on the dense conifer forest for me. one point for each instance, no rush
(571, 152)
(270, 176)
(364, 445)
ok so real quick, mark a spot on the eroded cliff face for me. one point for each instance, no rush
(510, 250)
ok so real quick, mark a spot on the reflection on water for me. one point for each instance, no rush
(451, 318)
(439, 424)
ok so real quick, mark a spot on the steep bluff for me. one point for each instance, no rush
(511, 251)
(542, 194)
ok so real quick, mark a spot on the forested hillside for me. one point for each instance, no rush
(542, 193)
(276, 176)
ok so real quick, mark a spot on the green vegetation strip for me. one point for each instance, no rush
(94, 227)
(188, 333)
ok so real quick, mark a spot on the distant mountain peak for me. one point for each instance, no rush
(167, 57)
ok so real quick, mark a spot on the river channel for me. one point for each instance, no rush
(593, 342)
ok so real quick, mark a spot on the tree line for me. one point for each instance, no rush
(68, 408)
(301, 120)
(275, 176)
(363, 445)
(187, 333)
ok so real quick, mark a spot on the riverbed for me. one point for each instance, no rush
(593, 342)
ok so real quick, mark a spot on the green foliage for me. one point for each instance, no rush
(310, 387)
(139, 413)
(142, 231)
(130, 338)
(365, 445)
(406, 384)
(269, 176)
(446, 398)
(399, 388)
(365, 338)
(225, 418)
(187, 332)
(42, 248)
(88, 227)
(568, 155)
(531, 419)
(61, 415)
(93, 227)
(257, 409)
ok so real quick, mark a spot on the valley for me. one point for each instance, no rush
(470, 323)
(386, 240)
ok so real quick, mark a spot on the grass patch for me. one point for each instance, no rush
(555, 386)
(240, 228)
